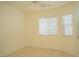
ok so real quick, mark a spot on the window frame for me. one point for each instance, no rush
(48, 19)
(39, 27)
(66, 25)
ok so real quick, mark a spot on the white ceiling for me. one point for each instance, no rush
(30, 6)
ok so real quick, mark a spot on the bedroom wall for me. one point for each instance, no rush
(77, 18)
(12, 29)
(1, 50)
(58, 41)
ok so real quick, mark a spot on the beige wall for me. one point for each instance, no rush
(12, 33)
(0, 33)
(58, 41)
(77, 23)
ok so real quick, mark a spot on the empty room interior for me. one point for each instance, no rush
(39, 28)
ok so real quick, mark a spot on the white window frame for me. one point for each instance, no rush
(49, 24)
(68, 25)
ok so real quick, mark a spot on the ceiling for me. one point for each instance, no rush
(35, 5)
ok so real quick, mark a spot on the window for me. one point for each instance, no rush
(67, 24)
(48, 26)
(43, 26)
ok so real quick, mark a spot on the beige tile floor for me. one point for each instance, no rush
(38, 52)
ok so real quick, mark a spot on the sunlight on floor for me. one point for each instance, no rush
(38, 52)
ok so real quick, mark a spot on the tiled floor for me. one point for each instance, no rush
(38, 52)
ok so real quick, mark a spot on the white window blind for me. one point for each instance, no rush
(48, 26)
(68, 24)
(52, 25)
(43, 26)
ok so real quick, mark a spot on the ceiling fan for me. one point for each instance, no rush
(39, 4)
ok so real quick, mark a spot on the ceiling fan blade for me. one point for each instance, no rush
(44, 5)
